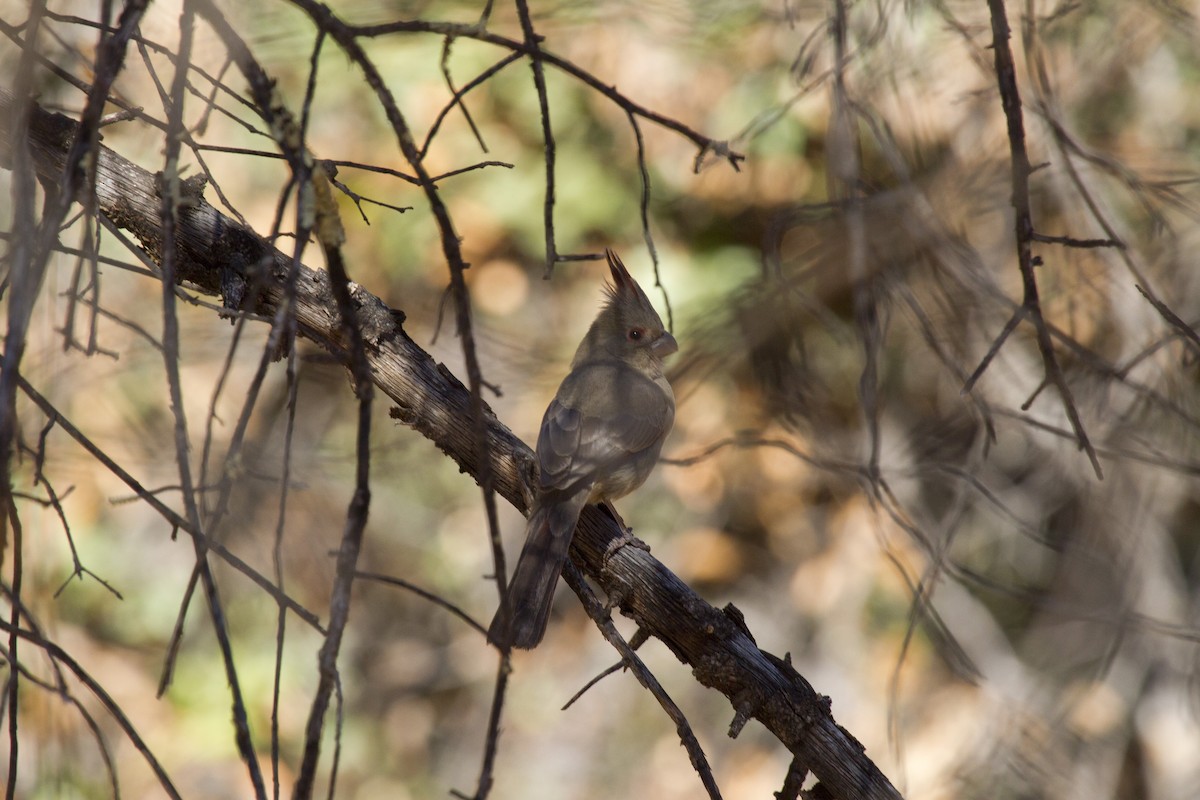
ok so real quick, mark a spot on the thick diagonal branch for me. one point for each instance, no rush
(716, 644)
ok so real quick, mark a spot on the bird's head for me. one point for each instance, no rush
(627, 328)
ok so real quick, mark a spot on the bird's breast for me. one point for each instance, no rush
(625, 477)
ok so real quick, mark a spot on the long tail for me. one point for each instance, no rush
(521, 619)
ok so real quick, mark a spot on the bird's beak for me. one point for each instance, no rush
(664, 345)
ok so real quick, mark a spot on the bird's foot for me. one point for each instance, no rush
(627, 539)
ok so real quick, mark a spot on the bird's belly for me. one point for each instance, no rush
(624, 479)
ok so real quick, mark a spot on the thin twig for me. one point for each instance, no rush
(437, 600)
(1187, 331)
(347, 38)
(644, 209)
(615, 668)
(533, 49)
(162, 509)
(356, 513)
(60, 688)
(704, 143)
(283, 334)
(1070, 241)
(603, 619)
(457, 100)
(317, 213)
(447, 44)
(1013, 321)
(30, 257)
(492, 743)
(60, 656)
(172, 196)
(845, 178)
(1010, 99)
(293, 391)
(12, 685)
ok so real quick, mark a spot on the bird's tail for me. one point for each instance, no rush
(521, 619)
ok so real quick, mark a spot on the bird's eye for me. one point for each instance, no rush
(636, 334)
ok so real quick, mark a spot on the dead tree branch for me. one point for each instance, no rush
(716, 644)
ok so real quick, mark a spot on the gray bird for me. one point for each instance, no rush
(599, 440)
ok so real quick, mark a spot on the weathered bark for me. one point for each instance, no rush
(220, 257)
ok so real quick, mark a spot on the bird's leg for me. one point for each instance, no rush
(611, 510)
(625, 539)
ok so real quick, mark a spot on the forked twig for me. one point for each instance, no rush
(1010, 99)
(603, 619)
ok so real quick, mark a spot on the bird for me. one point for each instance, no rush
(599, 440)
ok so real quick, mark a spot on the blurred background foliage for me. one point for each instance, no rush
(988, 617)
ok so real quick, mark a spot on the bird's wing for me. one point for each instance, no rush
(603, 414)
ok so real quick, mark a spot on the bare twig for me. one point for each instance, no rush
(533, 48)
(171, 197)
(491, 745)
(456, 100)
(704, 144)
(615, 668)
(30, 256)
(329, 233)
(644, 209)
(347, 38)
(603, 619)
(293, 389)
(60, 688)
(317, 213)
(1069, 241)
(162, 509)
(1010, 98)
(1013, 321)
(61, 656)
(1187, 331)
(845, 180)
(459, 94)
(12, 685)
(425, 594)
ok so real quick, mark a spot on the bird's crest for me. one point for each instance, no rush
(623, 287)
